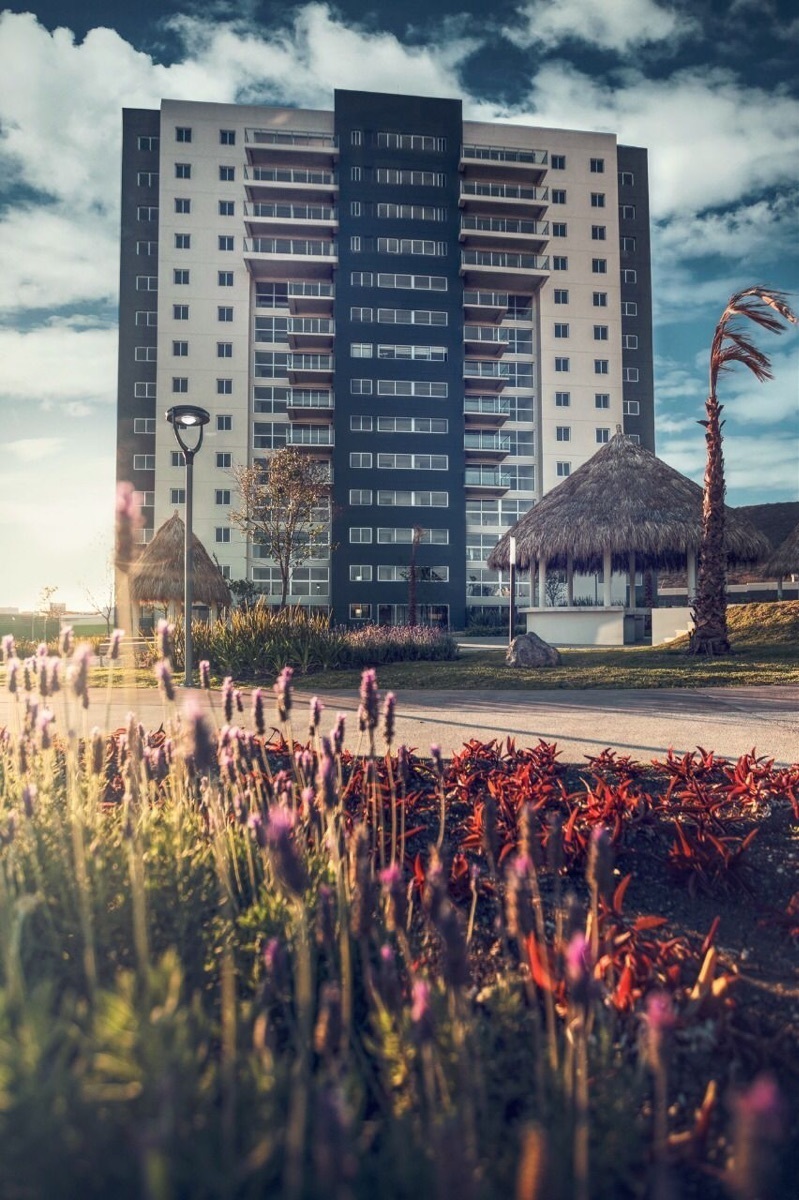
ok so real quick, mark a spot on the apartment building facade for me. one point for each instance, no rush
(453, 315)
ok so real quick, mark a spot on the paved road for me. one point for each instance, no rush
(641, 722)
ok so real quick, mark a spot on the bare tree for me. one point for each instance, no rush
(413, 575)
(102, 601)
(768, 309)
(279, 510)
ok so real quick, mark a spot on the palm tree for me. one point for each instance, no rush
(768, 309)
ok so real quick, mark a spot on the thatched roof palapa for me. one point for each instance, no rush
(785, 559)
(157, 575)
(623, 500)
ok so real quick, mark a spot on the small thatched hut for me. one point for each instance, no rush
(624, 509)
(785, 559)
(157, 575)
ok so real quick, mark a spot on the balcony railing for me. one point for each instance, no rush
(486, 441)
(282, 137)
(485, 370)
(506, 154)
(486, 477)
(505, 259)
(318, 400)
(292, 247)
(485, 333)
(311, 325)
(292, 212)
(518, 225)
(290, 175)
(313, 291)
(311, 435)
(489, 406)
(504, 191)
(478, 299)
(310, 362)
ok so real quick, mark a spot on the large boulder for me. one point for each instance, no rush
(529, 650)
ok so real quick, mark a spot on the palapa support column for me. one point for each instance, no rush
(570, 580)
(607, 564)
(631, 578)
(691, 575)
(542, 583)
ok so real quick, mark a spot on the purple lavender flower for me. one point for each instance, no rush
(29, 794)
(438, 762)
(258, 711)
(163, 674)
(79, 673)
(288, 866)
(392, 882)
(66, 641)
(205, 674)
(369, 699)
(314, 715)
(403, 765)
(43, 723)
(199, 742)
(114, 644)
(421, 1014)
(9, 651)
(389, 717)
(760, 1114)
(337, 734)
(44, 678)
(55, 675)
(163, 634)
(238, 700)
(283, 692)
(659, 1019)
(326, 776)
(227, 698)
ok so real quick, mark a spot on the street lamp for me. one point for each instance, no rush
(512, 581)
(183, 418)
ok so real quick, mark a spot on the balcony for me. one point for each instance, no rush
(485, 447)
(485, 306)
(307, 333)
(301, 147)
(318, 440)
(290, 183)
(509, 199)
(503, 162)
(487, 376)
(310, 405)
(285, 217)
(485, 411)
(310, 368)
(485, 339)
(485, 481)
(310, 297)
(301, 258)
(503, 232)
(505, 270)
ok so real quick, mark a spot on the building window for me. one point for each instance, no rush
(182, 133)
(355, 244)
(147, 212)
(628, 212)
(180, 312)
(630, 408)
(227, 208)
(559, 229)
(600, 333)
(597, 199)
(222, 533)
(224, 387)
(600, 299)
(360, 573)
(227, 174)
(360, 612)
(628, 245)
(144, 391)
(601, 366)
(183, 170)
(143, 462)
(144, 425)
(145, 354)
(635, 438)
(361, 387)
(146, 316)
(597, 166)
(360, 534)
(180, 383)
(560, 262)
(360, 497)
(558, 162)
(561, 330)
(183, 241)
(602, 436)
(561, 295)
(361, 459)
(602, 400)
(146, 283)
(224, 423)
(177, 495)
(599, 266)
(224, 349)
(561, 364)
(176, 459)
(227, 137)
(360, 350)
(563, 399)
(410, 141)
(563, 433)
(147, 179)
(148, 143)
(146, 248)
(180, 349)
(558, 195)
(629, 308)
(562, 469)
(361, 424)
(598, 233)
(181, 276)
(225, 241)
(222, 496)
(224, 278)
(626, 178)
(629, 275)
(356, 137)
(224, 312)
(630, 375)
(224, 459)
(630, 341)
(182, 204)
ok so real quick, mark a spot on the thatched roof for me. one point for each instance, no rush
(157, 575)
(623, 499)
(785, 559)
(776, 520)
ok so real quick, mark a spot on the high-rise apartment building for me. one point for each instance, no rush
(454, 315)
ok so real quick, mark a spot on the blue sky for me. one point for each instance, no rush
(710, 87)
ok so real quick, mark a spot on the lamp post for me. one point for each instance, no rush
(512, 572)
(184, 418)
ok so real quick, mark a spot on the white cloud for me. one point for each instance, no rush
(29, 450)
(748, 402)
(69, 257)
(748, 460)
(57, 364)
(610, 25)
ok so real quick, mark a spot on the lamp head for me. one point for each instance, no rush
(186, 417)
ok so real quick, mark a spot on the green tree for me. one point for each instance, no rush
(768, 309)
(284, 508)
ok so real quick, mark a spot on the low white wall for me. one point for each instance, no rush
(669, 622)
(580, 626)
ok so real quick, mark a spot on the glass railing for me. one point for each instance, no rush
(504, 191)
(289, 175)
(310, 399)
(310, 435)
(502, 258)
(486, 370)
(486, 405)
(504, 225)
(284, 137)
(311, 325)
(292, 212)
(310, 362)
(486, 441)
(478, 299)
(290, 246)
(485, 333)
(507, 154)
(486, 477)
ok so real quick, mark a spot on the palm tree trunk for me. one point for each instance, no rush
(710, 608)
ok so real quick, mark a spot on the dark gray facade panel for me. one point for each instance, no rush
(633, 161)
